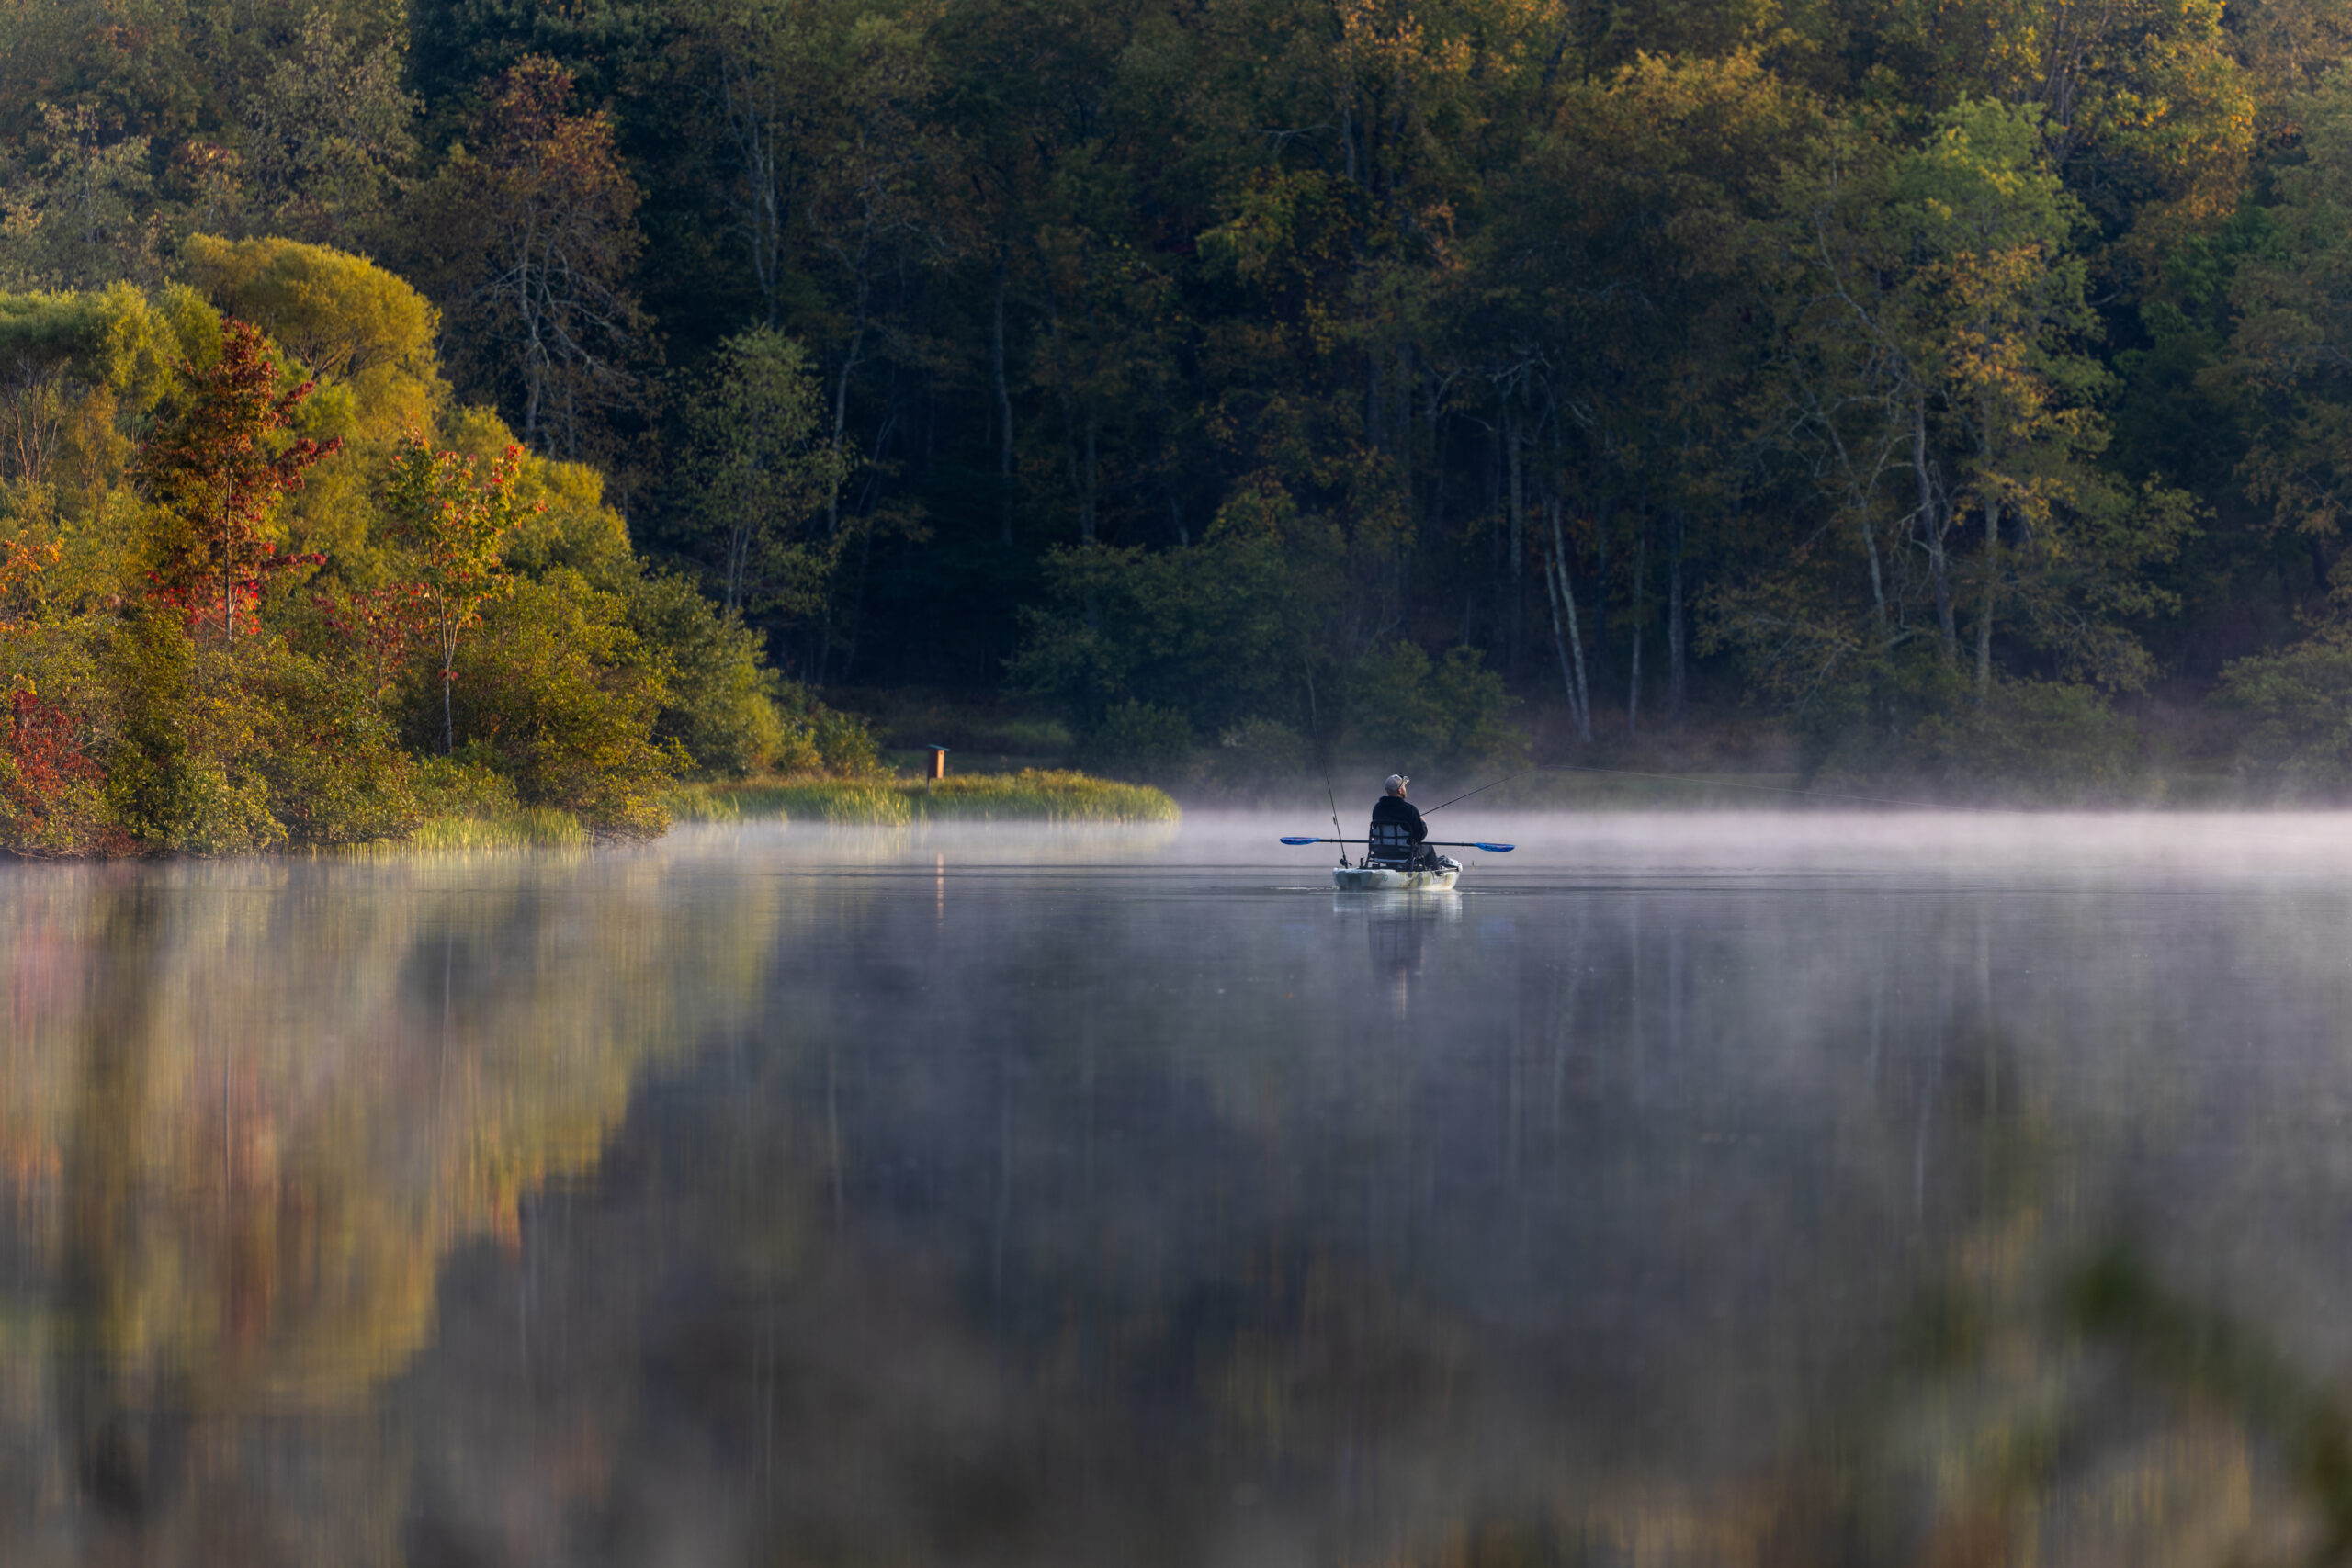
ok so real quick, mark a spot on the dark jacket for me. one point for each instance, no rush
(1396, 808)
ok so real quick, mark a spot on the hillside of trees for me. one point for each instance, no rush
(1956, 388)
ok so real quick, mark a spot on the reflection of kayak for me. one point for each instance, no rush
(1379, 879)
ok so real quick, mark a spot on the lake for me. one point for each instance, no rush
(1714, 1188)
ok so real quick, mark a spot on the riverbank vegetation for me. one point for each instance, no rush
(1942, 394)
(264, 583)
(1029, 795)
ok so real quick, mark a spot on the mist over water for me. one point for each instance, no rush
(1712, 1188)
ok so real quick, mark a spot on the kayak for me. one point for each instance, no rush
(1378, 879)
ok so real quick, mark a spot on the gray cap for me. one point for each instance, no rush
(1395, 781)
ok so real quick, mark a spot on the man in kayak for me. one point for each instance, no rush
(1393, 807)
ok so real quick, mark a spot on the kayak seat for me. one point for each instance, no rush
(1390, 848)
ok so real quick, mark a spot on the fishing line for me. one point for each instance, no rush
(1768, 789)
(1716, 784)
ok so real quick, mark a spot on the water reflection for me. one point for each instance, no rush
(738, 1201)
(1399, 925)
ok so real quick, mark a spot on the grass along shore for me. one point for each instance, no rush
(1034, 796)
(1030, 795)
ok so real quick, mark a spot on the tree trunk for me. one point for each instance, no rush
(1931, 529)
(1003, 409)
(1093, 484)
(841, 402)
(1606, 517)
(1516, 546)
(1992, 588)
(1633, 614)
(1992, 570)
(1568, 638)
(1678, 661)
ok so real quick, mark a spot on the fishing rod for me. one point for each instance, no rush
(1429, 843)
(1466, 794)
(1316, 731)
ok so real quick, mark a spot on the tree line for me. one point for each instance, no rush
(247, 599)
(1938, 379)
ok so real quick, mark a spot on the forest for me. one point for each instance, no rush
(1943, 390)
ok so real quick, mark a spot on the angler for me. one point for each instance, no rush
(1398, 836)
(1399, 855)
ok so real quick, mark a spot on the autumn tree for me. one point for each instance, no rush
(531, 229)
(217, 466)
(452, 520)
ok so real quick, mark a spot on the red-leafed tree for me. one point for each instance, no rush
(452, 522)
(378, 625)
(43, 764)
(218, 465)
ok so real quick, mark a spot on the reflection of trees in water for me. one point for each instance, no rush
(1083, 1227)
(256, 1107)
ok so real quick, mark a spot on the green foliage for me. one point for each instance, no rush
(1258, 755)
(556, 693)
(1212, 634)
(719, 707)
(330, 760)
(1757, 349)
(217, 752)
(1401, 705)
(760, 468)
(2299, 703)
(846, 746)
(2045, 740)
(450, 522)
(171, 685)
(1137, 741)
(1918, 727)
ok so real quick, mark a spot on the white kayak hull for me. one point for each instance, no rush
(1374, 879)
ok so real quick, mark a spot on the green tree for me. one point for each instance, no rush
(762, 468)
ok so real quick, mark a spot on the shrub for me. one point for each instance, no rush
(1403, 704)
(51, 798)
(2045, 739)
(845, 745)
(56, 724)
(1920, 725)
(556, 693)
(1258, 754)
(331, 762)
(463, 786)
(222, 751)
(185, 773)
(2299, 700)
(717, 707)
(1137, 740)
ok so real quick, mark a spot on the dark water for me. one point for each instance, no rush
(1710, 1190)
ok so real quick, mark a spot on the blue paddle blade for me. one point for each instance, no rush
(1499, 849)
(1302, 840)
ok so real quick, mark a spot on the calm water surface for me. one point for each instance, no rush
(1709, 1189)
